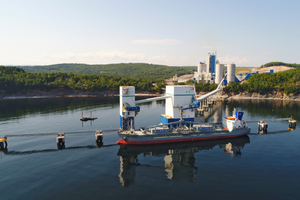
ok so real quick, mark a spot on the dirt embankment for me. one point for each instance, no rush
(266, 69)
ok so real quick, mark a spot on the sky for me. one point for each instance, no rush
(248, 33)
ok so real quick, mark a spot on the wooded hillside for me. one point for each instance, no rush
(280, 64)
(286, 81)
(125, 70)
(13, 79)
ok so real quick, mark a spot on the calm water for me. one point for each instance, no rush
(263, 166)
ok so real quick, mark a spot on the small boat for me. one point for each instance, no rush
(86, 118)
(185, 131)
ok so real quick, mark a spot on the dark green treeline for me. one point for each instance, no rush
(13, 79)
(286, 81)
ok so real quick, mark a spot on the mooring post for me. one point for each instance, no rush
(60, 139)
(99, 136)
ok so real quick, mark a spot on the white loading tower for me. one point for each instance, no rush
(230, 72)
(127, 107)
(181, 97)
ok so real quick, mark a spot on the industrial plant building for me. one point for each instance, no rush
(213, 71)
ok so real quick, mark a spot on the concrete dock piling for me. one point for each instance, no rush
(99, 136)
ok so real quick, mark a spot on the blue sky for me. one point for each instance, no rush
(175, 33)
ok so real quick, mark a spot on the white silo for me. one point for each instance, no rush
(199, 67)
(219, 73)
(202, 67)
(230, 72)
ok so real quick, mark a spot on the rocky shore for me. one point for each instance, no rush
(269, 96)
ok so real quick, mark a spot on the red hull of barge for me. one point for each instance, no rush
(176, 140)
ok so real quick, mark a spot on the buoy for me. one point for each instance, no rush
(3, 143)
(292, 123)
(99, 136)
(60, 139)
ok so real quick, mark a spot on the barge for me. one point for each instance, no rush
(182, 121)
(185, 131)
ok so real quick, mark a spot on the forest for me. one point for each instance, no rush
(280, 64)
(153, 72)
(13, 79)
(286, 81)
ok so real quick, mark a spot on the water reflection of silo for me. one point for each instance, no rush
(127, 170)
(218, 115)
(227, 111)
(154, 104)
(179, 164)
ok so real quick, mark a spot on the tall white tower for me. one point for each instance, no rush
(127, 107)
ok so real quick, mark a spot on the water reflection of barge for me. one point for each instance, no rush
(179, 158)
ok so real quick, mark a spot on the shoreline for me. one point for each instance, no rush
(62, 93)
(74, 96)
(260, 98)
(65, 93)
(221, 98)
(255, 96)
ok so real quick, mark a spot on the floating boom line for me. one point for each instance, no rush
(54, 133)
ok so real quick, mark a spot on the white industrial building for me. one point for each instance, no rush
(212, 71)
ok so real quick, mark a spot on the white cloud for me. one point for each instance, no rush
(213, 47)
(268, 53)
(173, 60)
(164, 41)
(107, 57)
(234, 59)
(102, 57)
